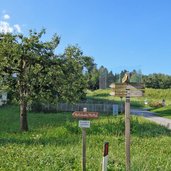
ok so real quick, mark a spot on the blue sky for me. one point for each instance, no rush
(118, 34)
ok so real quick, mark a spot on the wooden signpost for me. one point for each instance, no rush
(123, 90)
(84, 124)
(85, 115)
(127, 90)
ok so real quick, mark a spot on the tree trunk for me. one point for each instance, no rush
(23, 116)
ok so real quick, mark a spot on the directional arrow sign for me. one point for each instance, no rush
(81, 114)
(123, 90)
(124, 93)
(127, 86)
(118, 86)
(136, 93)
(135, 86)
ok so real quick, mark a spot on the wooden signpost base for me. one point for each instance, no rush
(84, 124)
(127, 90)
(83, 149)
(127, 133)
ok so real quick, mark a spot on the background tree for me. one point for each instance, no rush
(103, 73)
(24, 63)
(116, 78)
(110, 78)
(136, 76)
(89, 70)
(31, 70)
(157, 81)
(74, 81)
(93, 79)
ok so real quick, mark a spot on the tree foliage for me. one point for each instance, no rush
(31, 70)
(74, 82)
(24, 66)
(25, 63)
(158, 81)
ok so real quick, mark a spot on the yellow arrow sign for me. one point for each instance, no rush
(127, 86)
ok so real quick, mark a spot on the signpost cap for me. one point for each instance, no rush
(84, 109)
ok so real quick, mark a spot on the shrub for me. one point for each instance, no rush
(156, 104)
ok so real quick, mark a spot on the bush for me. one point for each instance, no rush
(156, 104)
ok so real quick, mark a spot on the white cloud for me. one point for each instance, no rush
(5, 27)
(6, 17)
(17, 28)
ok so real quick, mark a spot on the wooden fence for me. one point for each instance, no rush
(66, 107)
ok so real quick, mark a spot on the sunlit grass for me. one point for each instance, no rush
(163, 111)
(54, 143)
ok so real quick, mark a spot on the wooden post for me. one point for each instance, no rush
(84, 149)
(84, 124)
(132, 90)
(121, 106)
(84, 146)
(127, 130)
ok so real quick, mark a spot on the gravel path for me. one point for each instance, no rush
(152, 117)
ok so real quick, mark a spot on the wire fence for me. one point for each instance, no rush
(66, 107)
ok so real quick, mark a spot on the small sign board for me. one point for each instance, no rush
(86, 115)
(3, 96)
(84, 124)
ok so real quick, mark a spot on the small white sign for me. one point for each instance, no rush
(115, 109)
(84, 124)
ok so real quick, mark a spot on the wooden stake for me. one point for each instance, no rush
(127, 132)
(84, 149)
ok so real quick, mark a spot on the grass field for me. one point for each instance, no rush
(163, 111)
(153, 96)
(54, 143)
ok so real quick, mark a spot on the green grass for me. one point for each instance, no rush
(158, 94)
(104, 96)
(163, 112)
(151, 95)
(54, 143)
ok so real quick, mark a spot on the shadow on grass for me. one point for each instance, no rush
(102, 95)
(95, 99)
(58, 141)
(44, 129)
(116, 127)
(9, 122)
(62, 130)
(164, 112)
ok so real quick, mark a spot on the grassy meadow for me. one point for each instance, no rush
(54, 143)
(152, 96)
(163, 111)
